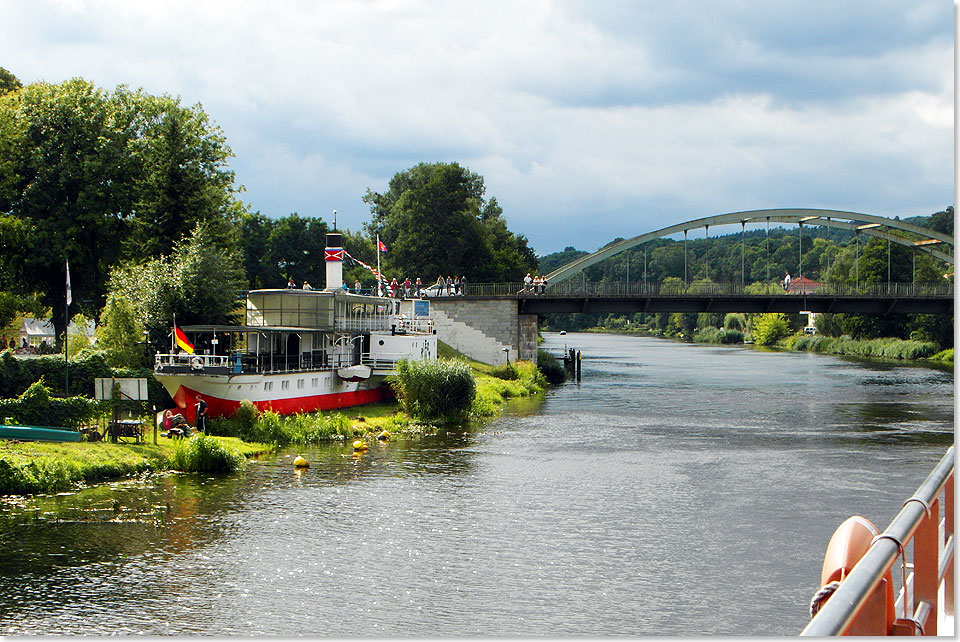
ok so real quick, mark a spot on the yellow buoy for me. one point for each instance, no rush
(359, 445)
(300, 462)
(384, 436)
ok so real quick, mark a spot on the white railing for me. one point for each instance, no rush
(193, 361)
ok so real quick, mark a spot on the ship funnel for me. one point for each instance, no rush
(333, 256)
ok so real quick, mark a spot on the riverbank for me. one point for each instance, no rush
(43, 467)
(31, 467)
(495, 386)
(884, 348)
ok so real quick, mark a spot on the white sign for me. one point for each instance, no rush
(131, 389)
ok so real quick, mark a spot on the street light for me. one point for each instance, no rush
(334, 220)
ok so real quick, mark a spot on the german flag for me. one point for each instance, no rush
(182, 339)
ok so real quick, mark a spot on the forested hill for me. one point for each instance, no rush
(823, 254)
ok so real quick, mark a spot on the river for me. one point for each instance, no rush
(677, 490)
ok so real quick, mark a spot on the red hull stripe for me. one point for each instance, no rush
(216, 407)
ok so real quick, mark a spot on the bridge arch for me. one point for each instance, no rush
(928, 241)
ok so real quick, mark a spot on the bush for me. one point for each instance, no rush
(505, 371)
(551, 368)
(715, 335)
(205, 454)
(442, 389)
(35, 407)
(770, 328)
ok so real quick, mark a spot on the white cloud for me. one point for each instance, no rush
(623, 116)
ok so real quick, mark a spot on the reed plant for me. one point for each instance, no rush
(205, 454)
(886, 348)
(435, 390)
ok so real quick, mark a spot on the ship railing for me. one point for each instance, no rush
(857, 604)
(383, 360)
(361, 325)
(192, 361)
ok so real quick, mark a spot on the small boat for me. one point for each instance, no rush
(38, 433)
(358, 372)
(563, 332)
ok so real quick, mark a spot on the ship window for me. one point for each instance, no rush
(284, 385)
(315, 382)
(299, 384)
(380, 342)
(268, 385)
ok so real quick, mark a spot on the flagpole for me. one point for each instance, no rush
(66, 335)
(379, 289)
(173, 336)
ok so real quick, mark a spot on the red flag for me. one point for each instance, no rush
(381, 246)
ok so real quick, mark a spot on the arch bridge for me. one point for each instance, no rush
(894, 231)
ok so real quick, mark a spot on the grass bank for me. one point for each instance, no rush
(494, 387)
(31, 467)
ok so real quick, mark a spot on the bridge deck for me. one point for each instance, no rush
(625, 298)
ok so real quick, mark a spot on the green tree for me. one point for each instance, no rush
(769, 328)
(434, 220)
(96, 177)
(199, 283)
(181, 157)
(9, 82)
(119, 332)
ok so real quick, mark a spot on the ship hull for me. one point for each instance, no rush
(284, 394)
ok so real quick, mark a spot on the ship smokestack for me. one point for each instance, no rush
(333, 256)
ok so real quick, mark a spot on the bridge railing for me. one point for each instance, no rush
(705, 288)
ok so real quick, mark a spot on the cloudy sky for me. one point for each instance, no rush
(588, 120)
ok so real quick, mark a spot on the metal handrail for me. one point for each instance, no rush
(709, 288)
(841, 611)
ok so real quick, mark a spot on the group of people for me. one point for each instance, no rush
(174, 424)
(451, 285)
(535, 284)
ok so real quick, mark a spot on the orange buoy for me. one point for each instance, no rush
(849, 543)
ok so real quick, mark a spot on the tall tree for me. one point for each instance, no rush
(434, 220)
(94, 177)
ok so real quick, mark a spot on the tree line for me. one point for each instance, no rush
(136, 193)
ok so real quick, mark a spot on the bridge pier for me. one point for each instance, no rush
(488, 330)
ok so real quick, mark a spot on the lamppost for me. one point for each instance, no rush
(334, 220)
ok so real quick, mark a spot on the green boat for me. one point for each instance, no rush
(38, 433)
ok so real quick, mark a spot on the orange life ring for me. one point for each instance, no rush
(849, 543)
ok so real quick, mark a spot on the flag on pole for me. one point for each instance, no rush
(380, 245)
(69, 291)
(181, 339)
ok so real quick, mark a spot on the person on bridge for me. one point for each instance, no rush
(527, 282)
(786, 283)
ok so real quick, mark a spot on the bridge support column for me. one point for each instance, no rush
(527, 334)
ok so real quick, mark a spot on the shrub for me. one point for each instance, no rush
(35, 407)
(505, 371)
(550, 367)
(442, 389)
(769, 328)
(715, 335)
(205, 454)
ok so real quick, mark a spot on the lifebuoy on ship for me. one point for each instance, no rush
(196, 363)
(849, 543)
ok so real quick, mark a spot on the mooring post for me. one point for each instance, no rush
(579, 359)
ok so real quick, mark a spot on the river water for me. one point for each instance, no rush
(677, 490)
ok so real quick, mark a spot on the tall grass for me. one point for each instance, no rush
(715, 335)
(270, 428)
(551, 367)
(435, 390)
(888, 348)
(204, 454)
